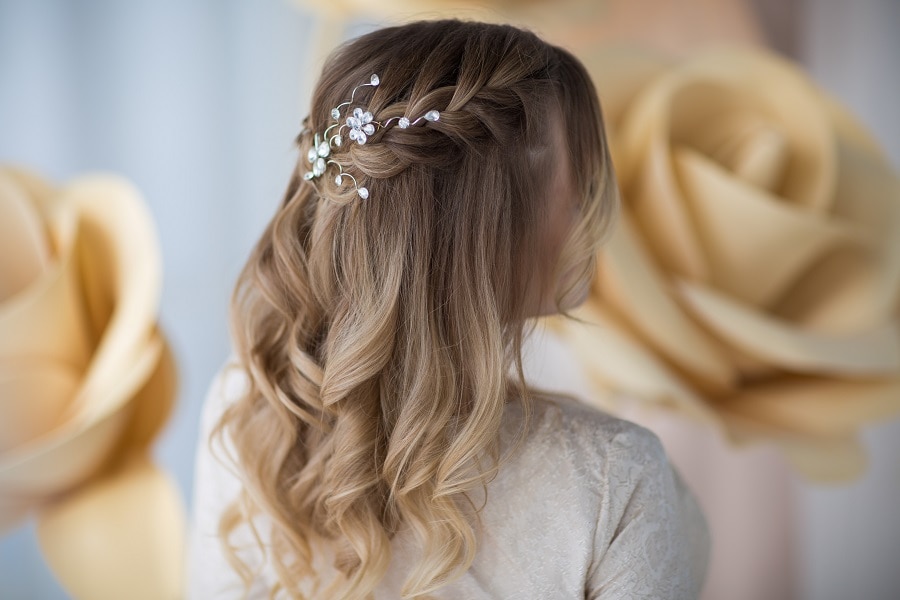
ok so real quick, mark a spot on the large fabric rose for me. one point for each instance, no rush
(754, 276)
(86, 382)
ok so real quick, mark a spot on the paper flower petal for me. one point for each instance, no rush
(633, 284)
(620, 362)
(121, 537)
(757, 246)
(654, 199)
(13, 509)
(821, 407)
(47, 319)
(79, 447)
(122, 281)
(24, 249)
(685, 100)
(822, 459)
(33, 399)
(152, 405)
(872, 352)
(867, 193)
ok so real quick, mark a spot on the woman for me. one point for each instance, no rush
(454, 182)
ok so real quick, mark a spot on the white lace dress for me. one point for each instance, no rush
(590, 507)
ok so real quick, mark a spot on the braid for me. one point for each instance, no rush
(480, 101)
(375, 337)
(491, 118)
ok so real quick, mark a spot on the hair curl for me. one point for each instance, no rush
(379, 336)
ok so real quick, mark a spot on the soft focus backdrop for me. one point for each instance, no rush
(197, 102)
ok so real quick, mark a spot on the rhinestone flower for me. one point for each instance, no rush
(360, 125)
(316, 157)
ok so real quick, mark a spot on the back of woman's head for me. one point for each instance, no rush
(379, 334)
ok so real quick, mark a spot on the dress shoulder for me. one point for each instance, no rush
(600, 435)
(651, 538)
(227, 385)
(216, 484)
(614, 500)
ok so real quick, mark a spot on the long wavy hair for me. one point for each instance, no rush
(382, 338)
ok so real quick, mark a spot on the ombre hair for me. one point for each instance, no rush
(382, 338)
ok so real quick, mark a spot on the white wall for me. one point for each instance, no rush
(198, 101)
(851, 535)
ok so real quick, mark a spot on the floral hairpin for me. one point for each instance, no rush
(360, 125)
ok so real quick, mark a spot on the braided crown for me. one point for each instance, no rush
(360, 125)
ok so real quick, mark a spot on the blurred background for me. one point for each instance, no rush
(198, 101)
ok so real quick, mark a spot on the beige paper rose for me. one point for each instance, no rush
(754, 276)
(86, 382)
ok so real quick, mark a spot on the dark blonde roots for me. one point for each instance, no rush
(379, 337)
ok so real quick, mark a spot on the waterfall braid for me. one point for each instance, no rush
(383, 338)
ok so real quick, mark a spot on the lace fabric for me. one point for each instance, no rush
(590, 507)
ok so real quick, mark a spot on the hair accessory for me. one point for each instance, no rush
(359, 125)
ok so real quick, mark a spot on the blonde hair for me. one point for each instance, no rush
(379, 336)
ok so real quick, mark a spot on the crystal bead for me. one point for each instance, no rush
(337, 140)
(319, 167)
(308, 175)
(335, 114)
(337, 180)
(403, 123)
(374, 80)
(324, 149)
(312, 155)
(432, 115)
(363, 192)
